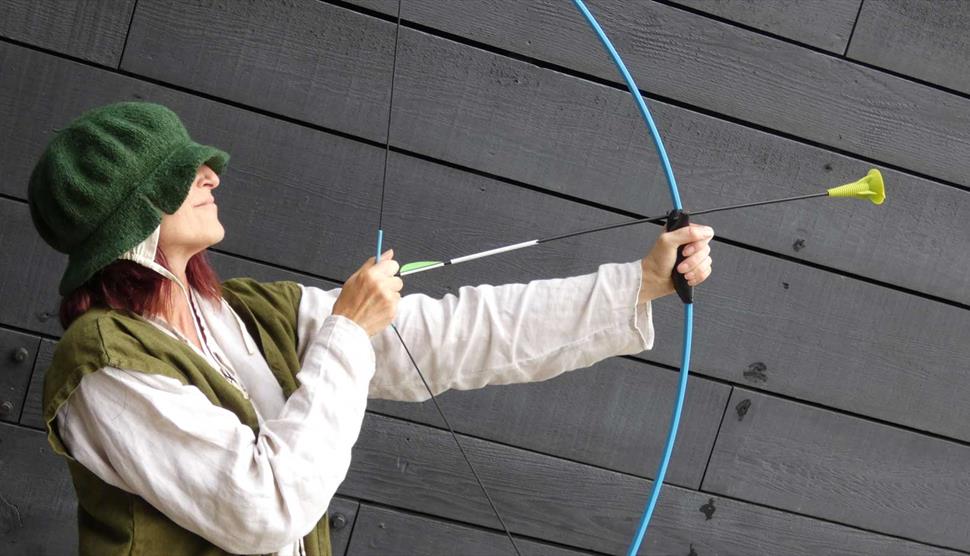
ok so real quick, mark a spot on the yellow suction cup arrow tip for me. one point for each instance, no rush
(870, 187)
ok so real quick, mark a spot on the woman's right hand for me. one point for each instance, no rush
(370, 296)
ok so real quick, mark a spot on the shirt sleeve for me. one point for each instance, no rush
(199, 465)
(502, 334)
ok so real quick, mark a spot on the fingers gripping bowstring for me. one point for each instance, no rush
(380, 240)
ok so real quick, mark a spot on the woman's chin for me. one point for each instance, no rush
(219, 238)
(216, 236)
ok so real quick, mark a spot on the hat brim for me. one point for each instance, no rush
(162, 191)
(170, 183)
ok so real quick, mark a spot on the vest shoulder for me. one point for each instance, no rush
(90, 343)
(280, 294)
(82, 341)
(94, 336)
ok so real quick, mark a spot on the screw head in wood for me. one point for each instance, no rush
(338, 521)
(20, 355)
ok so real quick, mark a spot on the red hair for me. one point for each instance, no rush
(127, 285)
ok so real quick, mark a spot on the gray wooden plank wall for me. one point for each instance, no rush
(827, 409)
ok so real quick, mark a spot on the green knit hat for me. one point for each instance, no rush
(103, 182)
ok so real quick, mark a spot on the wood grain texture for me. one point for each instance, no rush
(33, 412)
(87, 29)
(734, 527)
(303, 58)
(717, 162)
(925, 40)
(29, 273)
(626, 403)
(333, 183)
(37, 503)
(613, 415)
(801, 332)
(825, 464)
(343, 515)
(414, 467)
(562, 456)
(384, 532)
(586, 140)
(38, 510)
(725, 69)
(229, 266)
(17, 354)
(619, 432)
(820, 337)
(825, 24)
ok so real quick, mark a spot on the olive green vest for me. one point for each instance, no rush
(113, 521)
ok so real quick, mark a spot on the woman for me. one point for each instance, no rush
(200, 417)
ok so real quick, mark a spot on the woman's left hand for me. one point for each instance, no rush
(659, 263)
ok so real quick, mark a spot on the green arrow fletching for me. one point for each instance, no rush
(418, 265)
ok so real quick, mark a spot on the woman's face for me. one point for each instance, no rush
(195, 225)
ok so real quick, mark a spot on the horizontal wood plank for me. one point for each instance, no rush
(38, 507)
(413, 467)
(33, 410)
(722, 68)
(86, 29)
(335, 181)
(871, 350)
(333, 184)
(818, 462)
(386, 532)
(925, 40)
(40, 94)
(761, 321)
(319, 194)
(17, 354)
(712, 154)
(229, 266)
(568, 459)
(303, 59)
(613, 415)
(578, 493)
(825, 24)
(38, 510)
(29, 273)
(828, 339)
(610, 416)
(343, 514)
(586, 140)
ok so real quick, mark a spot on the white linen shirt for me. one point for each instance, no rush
(199, 465)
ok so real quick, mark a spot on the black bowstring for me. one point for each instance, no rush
(441, 413)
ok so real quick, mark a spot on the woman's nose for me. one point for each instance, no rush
(211, 180)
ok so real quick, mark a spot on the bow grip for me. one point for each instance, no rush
(677, 219)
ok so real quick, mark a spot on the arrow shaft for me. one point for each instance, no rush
(473, 256)
(604, 228)
(530, 243)
(759, 203)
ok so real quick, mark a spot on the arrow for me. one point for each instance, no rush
(870, 188)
